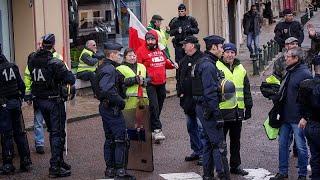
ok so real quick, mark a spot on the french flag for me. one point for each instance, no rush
(137, 32)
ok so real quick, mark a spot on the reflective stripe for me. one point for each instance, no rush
(272, 80)
(237, 77)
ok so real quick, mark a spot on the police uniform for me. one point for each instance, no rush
(188, 26)
(110, 108)
(12, 89)
(48, 76)
(207, 110)
(38, 118)
(309, 97)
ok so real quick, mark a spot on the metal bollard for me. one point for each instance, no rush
(265, 54)
(273, 48)
(269, 51)
(261, 63)
(255, 65)
(276, 47)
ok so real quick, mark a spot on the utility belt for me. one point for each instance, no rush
(109, 106)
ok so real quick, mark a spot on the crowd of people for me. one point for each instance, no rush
(213, 87)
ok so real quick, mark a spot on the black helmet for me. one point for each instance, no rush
(48, 39)
(227, 89)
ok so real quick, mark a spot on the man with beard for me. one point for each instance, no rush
(156, 64)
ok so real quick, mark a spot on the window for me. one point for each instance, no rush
(99, 20)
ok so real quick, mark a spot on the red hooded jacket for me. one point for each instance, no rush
(155, 62)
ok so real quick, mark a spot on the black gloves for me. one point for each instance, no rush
(247, 114)
(131, 81)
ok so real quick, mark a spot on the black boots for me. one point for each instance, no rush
(110, 173)
(25, 164)
(58, 172)
(7, 169)
(121, 174)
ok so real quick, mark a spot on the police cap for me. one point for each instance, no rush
(213, 39)
(182, 7)
(112, 46)
(190, 39)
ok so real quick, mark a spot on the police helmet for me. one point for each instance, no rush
(49, 39)
(269, 90)
(227, 89)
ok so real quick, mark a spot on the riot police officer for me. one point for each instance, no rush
(107, 85)
(12, 89)
(49, 75)
(207, 76)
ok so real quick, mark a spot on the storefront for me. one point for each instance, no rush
(100, 20)
(6, 28)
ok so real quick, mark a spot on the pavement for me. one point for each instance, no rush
(85, 137)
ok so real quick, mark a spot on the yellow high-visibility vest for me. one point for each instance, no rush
(82, 65)
(132, 91)
(237, 77)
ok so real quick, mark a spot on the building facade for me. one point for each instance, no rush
(24, 22)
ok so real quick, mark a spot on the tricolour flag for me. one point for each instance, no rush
(137, 32)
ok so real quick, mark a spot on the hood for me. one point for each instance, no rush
(154, 33)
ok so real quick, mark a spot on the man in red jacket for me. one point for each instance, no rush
(156, 64)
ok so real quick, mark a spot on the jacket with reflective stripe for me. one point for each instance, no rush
(82, 65)
(237, 77)
(132, 91)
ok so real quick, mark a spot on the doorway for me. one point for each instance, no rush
(232, 20)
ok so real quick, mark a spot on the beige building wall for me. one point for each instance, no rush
(23, 30)
(49, 19)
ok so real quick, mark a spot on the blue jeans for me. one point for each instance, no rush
(255, 38)
(38, 128)
(284, 144)
(195, 132)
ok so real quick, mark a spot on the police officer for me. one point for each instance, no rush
(12, 89)
(38, 118)
(48, 76)
(181, 27)
(107, 85)
(288, 28)
(236, 109)
(207, 76)
(309, 97)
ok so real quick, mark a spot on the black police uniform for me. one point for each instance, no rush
(309, 97)
(110, 108)
(284, 30)
(48, 76)
(12, 89)
(207, 110)
(189, 26)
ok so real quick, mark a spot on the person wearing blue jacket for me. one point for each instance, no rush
(291, 114)
(207, 109)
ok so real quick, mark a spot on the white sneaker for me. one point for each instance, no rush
(309, 168)
(158, 135)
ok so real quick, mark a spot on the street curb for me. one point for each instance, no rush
(75, 119)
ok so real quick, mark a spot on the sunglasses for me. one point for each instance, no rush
(181, 11)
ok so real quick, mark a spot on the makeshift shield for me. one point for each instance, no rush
(136, 114)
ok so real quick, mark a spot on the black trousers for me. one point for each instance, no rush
(234, 129)
(157, 95)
